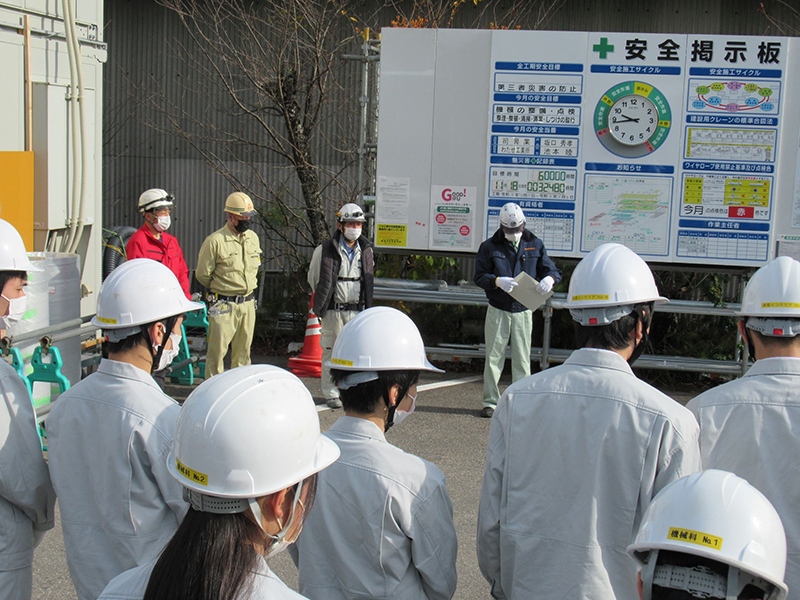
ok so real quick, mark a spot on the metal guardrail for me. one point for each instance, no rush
(438, 292)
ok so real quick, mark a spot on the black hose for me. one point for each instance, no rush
(114, 247)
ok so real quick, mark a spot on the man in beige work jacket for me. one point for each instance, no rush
(227, 267)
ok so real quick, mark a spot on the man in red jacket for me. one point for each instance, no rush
(153, 241)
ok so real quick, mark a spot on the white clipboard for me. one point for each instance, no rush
(526, 294)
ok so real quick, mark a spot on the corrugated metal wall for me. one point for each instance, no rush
(144, 41)
(140, 153)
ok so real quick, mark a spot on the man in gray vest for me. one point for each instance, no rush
(341, 276)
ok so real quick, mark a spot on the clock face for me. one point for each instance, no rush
(632, 119)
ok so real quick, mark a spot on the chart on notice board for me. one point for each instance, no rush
(667, 144)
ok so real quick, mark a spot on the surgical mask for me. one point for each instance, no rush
(16, 309)
(169, 354)
(352, 233)
(162, 223)
(514, 238)
(242, 226)
(401, 415)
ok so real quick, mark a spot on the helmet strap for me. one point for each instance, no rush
(647, 573)
(256, 509)
(169, 324)
(401, 393)
(751, 348)
(639, 348)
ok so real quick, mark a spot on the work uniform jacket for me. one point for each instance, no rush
(334, 278)
(498, 258)
(167, 251)
(108, 439)
(228, 263)
(382, 524)
(749, 427)
(264, 585)
(27, 498)
(575, 455)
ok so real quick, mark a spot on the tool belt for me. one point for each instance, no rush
(235, 299)
(343, 306)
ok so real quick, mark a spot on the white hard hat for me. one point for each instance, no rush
(772, 298)
(607, 283)
(350, 212)
(155, 198)
(247, 433)
(716, 515)
(511, 215)
(137, 292)
(239, 204)
(13, 256)
(380, 339)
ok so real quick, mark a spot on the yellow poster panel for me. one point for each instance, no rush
(16, 193)
(391, 235)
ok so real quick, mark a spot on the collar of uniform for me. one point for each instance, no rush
(231, 234)
(597, 357)
(149, 234)
(777, 365)
(360, 427)
(125, 370)
(341, 243)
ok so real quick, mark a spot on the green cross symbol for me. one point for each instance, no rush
(603, 48)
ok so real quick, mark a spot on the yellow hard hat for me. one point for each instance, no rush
(239, 204)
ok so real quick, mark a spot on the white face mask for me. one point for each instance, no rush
(162, 223)
(16, 309)
(169, 354)
(352, 233)
(401, 415)
(514, 237)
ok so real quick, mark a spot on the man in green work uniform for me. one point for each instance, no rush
(228, 267)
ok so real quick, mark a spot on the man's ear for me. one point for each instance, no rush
(157, 332)
(637, 333)
(740, 325)
(394, 391)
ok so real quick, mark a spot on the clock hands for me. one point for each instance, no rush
(627, 119)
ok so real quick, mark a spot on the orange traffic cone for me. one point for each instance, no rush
(309, 362)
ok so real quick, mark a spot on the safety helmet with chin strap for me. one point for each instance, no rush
(244, 434)
(350, 213)
(771, 300)
(378, 339)
(13, 256)
(511, 215)
(718, 516)
(155, 198)
(607, 283)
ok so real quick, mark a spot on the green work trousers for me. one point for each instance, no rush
(232, 328)
(501, 327)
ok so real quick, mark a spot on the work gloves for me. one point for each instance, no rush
(545, 285)
(505, 283)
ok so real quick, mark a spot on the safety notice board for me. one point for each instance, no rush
(682, 147)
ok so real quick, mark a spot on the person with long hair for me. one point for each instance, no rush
(247, 451)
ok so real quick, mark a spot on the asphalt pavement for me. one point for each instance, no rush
(446, 429)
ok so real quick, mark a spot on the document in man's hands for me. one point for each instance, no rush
(525, 292)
